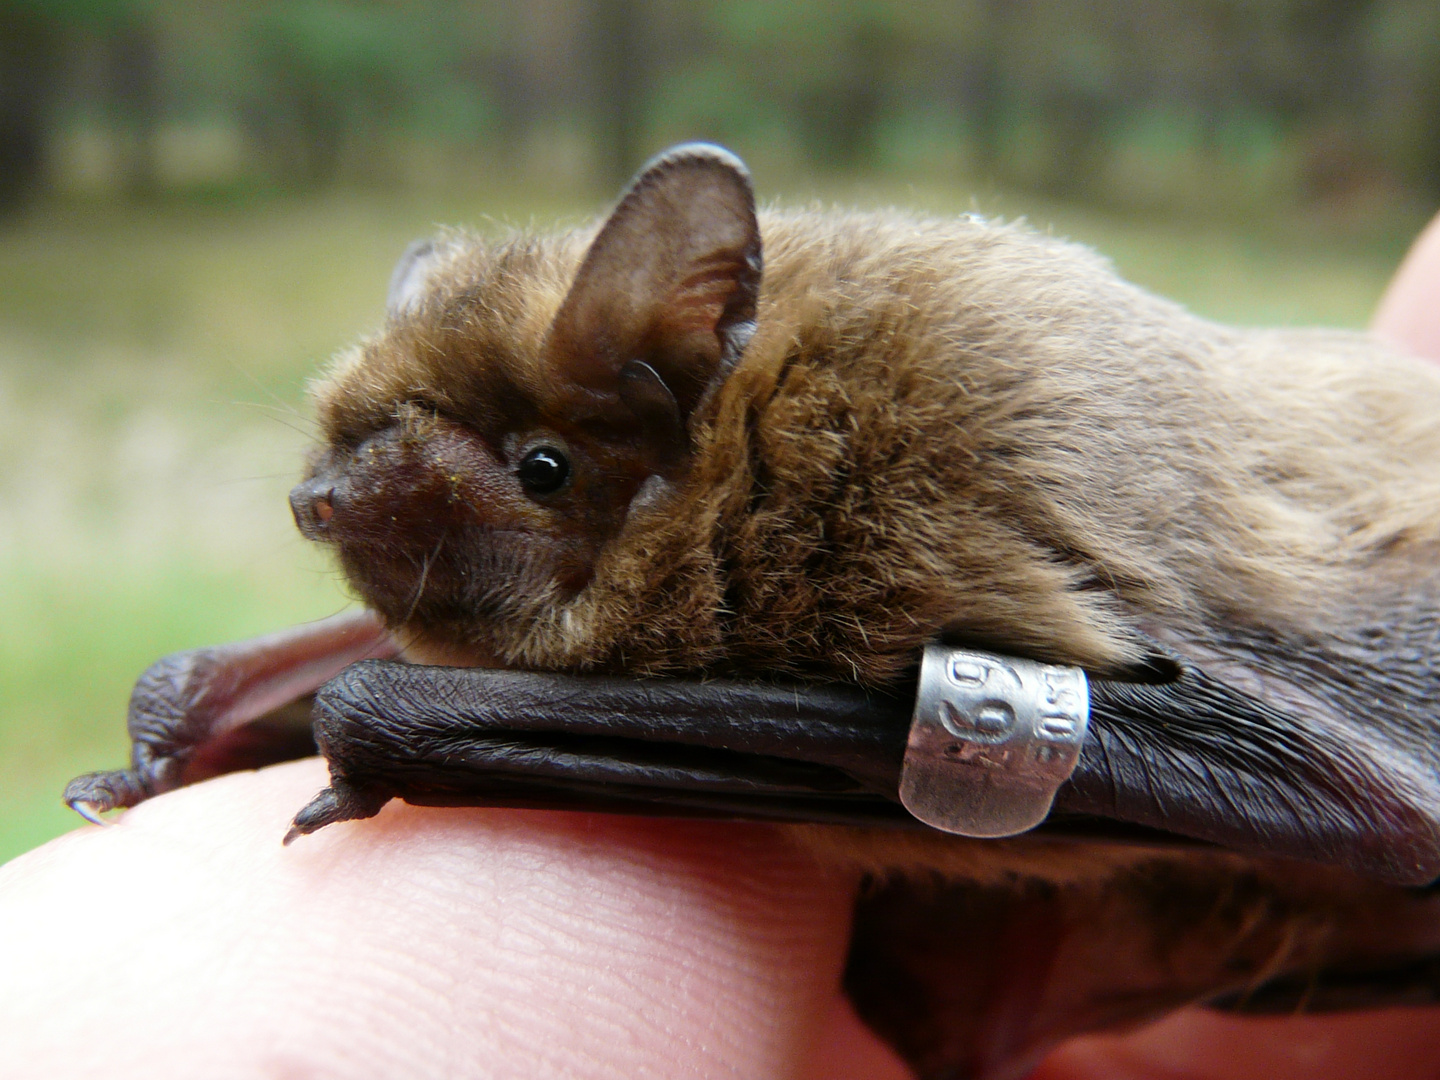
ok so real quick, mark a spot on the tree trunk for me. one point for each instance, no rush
(620, 86)
(29, 56)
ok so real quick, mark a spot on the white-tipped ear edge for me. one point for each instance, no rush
(693, 151)
(411, 276)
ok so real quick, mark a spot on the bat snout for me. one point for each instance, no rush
(392, 493)
(313, 504)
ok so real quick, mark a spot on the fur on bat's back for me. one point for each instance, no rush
(947, 427)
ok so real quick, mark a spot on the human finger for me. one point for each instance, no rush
(186, 941)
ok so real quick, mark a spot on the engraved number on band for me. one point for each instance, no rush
(992, 739)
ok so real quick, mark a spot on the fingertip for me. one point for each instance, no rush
(1407, 315)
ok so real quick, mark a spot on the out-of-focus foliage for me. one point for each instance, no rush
(331, 78)
(1198, 104)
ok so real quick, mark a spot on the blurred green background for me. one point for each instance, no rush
(201, 201)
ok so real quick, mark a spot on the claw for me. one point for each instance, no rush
(96, 793)
(339, 802)
(90, 811)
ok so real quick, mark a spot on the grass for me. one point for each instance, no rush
(152, 365)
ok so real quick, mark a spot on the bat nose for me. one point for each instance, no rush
(313, 504)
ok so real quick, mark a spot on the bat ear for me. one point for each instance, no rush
(411, 276)
(664, 301)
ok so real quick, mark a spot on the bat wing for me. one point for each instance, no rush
(204, 712)
(1323, 751)
(1295, 752)
(1274, 768)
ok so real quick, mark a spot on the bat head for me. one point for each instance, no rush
(485, 447)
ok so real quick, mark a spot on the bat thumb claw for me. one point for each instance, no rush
(90, 812)
(338, 802)
(95, 793)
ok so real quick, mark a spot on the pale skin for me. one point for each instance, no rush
(186, 941)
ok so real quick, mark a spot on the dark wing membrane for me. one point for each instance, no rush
(1202, 759)
(475, 736)
(1287, 766)
(1320, 749)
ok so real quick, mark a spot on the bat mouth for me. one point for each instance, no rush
(469, 579)
(433, 558)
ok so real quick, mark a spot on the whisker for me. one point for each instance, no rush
(268, 392)
(254, 479)
(282, 408)
(284, 418)
(424, 577)
(408, 641)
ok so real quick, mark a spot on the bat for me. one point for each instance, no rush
(661, 515)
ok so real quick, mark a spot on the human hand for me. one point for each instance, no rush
(421, 943)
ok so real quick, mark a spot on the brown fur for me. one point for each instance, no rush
(940, 427)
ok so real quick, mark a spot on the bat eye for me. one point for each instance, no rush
(544, 470)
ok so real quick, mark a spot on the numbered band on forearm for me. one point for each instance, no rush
(991, 740)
